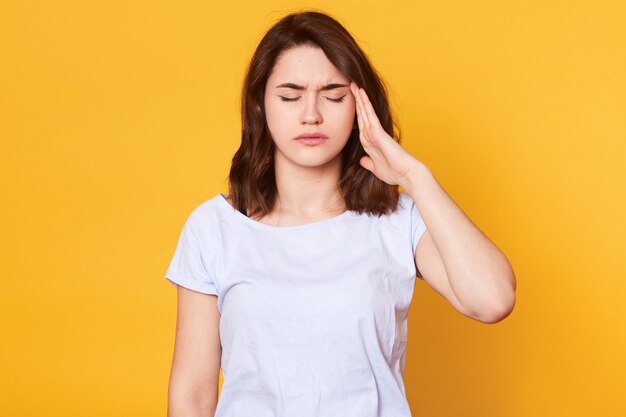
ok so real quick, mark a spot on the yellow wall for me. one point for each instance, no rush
(118, 118)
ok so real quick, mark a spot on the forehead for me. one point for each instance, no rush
(304, 65)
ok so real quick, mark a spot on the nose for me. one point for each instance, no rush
(311, 113)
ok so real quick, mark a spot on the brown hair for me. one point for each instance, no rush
(251, 180)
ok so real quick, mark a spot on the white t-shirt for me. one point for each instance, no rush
(313, 317)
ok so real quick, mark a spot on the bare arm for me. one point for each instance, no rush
(456, 258)
(194, 378)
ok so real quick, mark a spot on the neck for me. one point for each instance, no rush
(308, 191)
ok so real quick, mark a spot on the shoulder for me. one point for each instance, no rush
(398, 219)
(405, 202)
(405, 206)
(207, 215)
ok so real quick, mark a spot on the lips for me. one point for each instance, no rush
(314, 135)
(312, 139)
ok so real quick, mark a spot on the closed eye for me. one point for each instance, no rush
(336, 100)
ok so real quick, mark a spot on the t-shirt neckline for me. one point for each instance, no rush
(258, 224)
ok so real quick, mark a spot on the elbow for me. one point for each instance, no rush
(191, 400)
(504, 300)
(498, 314)
(499, 310)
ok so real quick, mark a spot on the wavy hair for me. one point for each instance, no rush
(252, 183)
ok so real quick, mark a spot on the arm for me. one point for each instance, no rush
(194, 378)
(455, 258)
(453, 255)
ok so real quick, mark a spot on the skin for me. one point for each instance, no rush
(307, 177)
(454, 257)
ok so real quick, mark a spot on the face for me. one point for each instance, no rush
(306, 93)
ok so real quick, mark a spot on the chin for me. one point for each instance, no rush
(311, 161)
(314, 163)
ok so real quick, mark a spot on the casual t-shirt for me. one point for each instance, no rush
(313, 317)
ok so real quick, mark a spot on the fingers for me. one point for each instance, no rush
(356, 105)
(369, 108)
(360, 111)
(365, 109)
(367, 163)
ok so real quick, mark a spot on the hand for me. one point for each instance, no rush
(385, 157)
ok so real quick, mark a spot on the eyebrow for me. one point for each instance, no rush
(299, 87)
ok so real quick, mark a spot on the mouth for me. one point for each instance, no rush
(314, 135)
(311, 140)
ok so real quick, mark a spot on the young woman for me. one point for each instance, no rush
(298, 283)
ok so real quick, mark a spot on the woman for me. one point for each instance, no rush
(298, 283)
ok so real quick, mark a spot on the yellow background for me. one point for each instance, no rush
(118, 118)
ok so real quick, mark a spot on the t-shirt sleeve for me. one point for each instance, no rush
(418, 226)
(188, 266)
